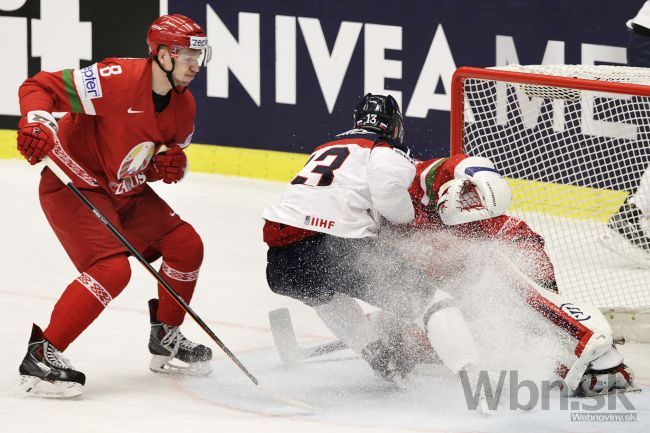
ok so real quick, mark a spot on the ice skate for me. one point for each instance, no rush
(386, 363)
(607, 374)
(45, 372)
(172, 353)
(610, 381)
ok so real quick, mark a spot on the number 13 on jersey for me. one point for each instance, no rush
(321, 167)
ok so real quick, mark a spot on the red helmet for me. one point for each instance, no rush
(177, 31)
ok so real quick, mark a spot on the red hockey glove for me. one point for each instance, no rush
(36, 136)
(171, 165)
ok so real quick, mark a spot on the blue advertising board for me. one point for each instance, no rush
(286, 74)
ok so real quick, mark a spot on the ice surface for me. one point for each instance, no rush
(122, 395)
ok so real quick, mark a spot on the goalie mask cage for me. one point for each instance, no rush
(573, 142)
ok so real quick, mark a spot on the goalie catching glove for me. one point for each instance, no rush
(477, 192)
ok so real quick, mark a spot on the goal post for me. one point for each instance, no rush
(573, 142)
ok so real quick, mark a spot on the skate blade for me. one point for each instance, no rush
(37, 387)
(631, 388)
(162, 364)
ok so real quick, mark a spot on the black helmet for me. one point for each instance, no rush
(380, 114)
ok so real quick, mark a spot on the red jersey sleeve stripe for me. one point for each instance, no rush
(70, 89)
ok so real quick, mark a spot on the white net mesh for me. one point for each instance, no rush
(572, 157)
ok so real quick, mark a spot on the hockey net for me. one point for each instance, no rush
(573, 141)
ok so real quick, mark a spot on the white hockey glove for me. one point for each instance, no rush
(477, 192)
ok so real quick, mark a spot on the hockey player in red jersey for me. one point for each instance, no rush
(473, 198)
(466, 196)
(121, 114)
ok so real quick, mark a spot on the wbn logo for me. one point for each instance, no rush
(536, 394)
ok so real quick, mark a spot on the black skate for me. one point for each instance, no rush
(411, 347)
(45, 372)
(168, 346)
(627, 222)
(386, 363)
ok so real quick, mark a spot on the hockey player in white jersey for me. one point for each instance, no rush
(322, 239)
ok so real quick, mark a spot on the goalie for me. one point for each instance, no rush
(468, 197)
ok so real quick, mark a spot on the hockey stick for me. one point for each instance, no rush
(291, 352)
(284, 337)
(63, 177)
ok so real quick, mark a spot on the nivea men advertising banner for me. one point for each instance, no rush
(286, 74)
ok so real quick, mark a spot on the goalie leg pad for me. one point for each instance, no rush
(448, 332)
(595, 346)
(610, 359)
(583, 322)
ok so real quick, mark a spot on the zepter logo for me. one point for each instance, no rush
(198, 43)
